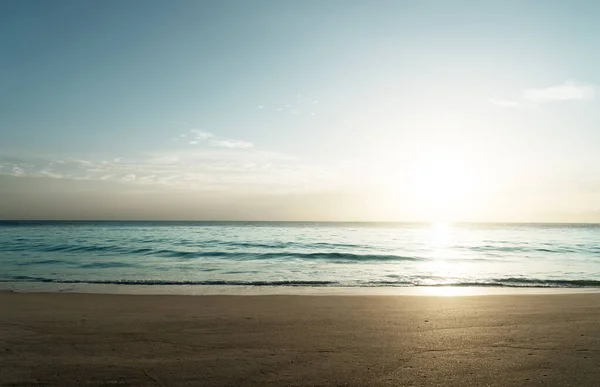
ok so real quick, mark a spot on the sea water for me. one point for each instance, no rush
(290, 254)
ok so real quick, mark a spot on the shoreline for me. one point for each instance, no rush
(251, 290)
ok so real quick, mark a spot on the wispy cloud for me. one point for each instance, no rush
(198, 137)
(568, 91)
(234, 144)
(222, 169)
(18, 171)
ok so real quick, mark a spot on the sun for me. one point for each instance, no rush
(434, 185)
(441, 186)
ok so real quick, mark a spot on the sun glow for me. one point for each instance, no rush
(436, 186)
(441, 187)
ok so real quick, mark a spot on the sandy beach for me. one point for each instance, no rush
(51, 339)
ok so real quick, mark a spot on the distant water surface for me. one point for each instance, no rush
(300, 254)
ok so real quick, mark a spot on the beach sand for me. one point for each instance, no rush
(89, 339)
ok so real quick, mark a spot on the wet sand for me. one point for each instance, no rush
(52, 339)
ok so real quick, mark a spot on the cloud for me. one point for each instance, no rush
(214, 168)
(18, 171)
(200, 136)
(129, 178)
(48, 172)
(234, 144)
(504, 103)
(568, 91)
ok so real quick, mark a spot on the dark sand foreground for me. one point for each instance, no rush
(86, 339)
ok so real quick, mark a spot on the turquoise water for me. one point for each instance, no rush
(300, 254)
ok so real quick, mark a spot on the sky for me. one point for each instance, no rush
(336, 110)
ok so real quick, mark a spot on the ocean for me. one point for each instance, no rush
(299, 254)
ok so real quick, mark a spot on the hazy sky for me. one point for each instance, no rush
(300, 110)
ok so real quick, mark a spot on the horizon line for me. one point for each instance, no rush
(289, 221)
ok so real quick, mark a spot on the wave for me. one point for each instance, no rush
(333, 257)
(284, 245)
(533, 282)
(243, 250)
(500, 282)
(105, 265)
(188, 248)
(321, 256)
(524, 249)
(168, 282)
(89, 265)
(21, 244)
(231, 255)
(42, 262)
